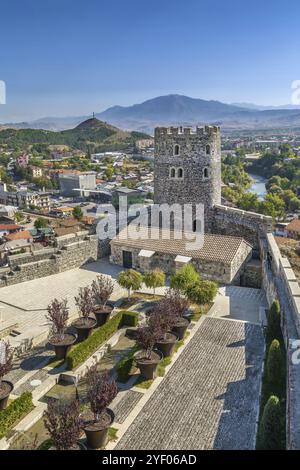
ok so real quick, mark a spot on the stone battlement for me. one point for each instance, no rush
(199, 131)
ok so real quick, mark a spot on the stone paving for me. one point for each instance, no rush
(126, 405)
(209, 398)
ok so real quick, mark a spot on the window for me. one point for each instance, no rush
(180, 173)
(176, 149)
(207, 149)
(172, 173)
(205, 173)
(197, 225)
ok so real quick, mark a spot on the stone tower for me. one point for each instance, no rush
(188, 167)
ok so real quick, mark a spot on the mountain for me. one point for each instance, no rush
(259, 107)
(92, 134)
(182, 110)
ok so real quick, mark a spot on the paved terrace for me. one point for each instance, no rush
(209, 398)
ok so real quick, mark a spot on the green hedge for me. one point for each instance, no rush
(129, 318)
(15, 412)
(84, 350)
(124, 365)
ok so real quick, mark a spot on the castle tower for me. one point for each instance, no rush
(188, 167)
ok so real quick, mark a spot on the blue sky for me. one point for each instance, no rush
(70, 57)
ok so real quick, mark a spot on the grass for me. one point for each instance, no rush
(112, 436)
(136, 297)
(199, 310)
(54, 363)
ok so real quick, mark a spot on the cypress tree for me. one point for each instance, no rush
(275, 365)
(274, 329)
(270, 429)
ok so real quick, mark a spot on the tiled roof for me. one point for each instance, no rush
(9, 227)
(220, 248)
(65, 231)
(294, 226)
(24, 234)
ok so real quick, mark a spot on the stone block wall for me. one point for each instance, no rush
(83, 249)
(239, 223)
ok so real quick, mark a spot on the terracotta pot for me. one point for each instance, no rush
(5, 396)
(97, 437)
(147, 366)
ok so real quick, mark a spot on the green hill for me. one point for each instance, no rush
(92, 134)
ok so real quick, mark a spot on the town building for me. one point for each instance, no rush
(74, 184)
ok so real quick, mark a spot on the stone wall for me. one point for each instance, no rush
(199, 158)
(239, 223)
(72, 252)
(279, 281)
(223, 273)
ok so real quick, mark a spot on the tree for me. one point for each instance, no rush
(63, 422)
(18, 216)
(154, 279)
(102, 288)
(248, 202)
(129, 280)
(202, 292)
(85, 301)
(270, 428)
(184, 277)
(40, 222)
(294, 204)
(77, 213)
(109, 172)
(101, 390)
(6, 358)
(275, 364)
(58, 315)
(146, 337)
(274, 328)
(174, 303)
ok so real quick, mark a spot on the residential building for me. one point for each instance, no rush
(71, 184)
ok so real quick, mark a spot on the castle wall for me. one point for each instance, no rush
(279, 281)
(194, 187)
(239, 223)
(72, 252)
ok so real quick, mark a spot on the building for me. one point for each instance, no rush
(134, 196)
(187, 168)
(24, 199)
(36, 171)
(220, 258)
(293, 229)
(23, 160)
(71, 184)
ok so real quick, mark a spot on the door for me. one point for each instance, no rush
(127, 259)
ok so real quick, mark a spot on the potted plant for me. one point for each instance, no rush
(154, 279)
(101, 390)
(58, 315)
(147, 359)
(64, 424)
(177, 306)
(6, 359)
(102, 288)
(162, 322)
(85, 323)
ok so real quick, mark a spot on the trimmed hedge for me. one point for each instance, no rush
(84, 350)
(15, 412)
(124, 365)
(129, 318)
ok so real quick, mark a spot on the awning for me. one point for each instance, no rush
(182, 259)
(146, 253)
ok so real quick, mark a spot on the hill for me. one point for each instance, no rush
(92, 134)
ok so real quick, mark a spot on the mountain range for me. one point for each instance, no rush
(181, 110)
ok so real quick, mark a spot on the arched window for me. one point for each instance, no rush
(176, 149)
(180, 173)
(172, 173)
(205, 173)
(207, 149)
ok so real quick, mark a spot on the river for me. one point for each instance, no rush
(258, 186)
